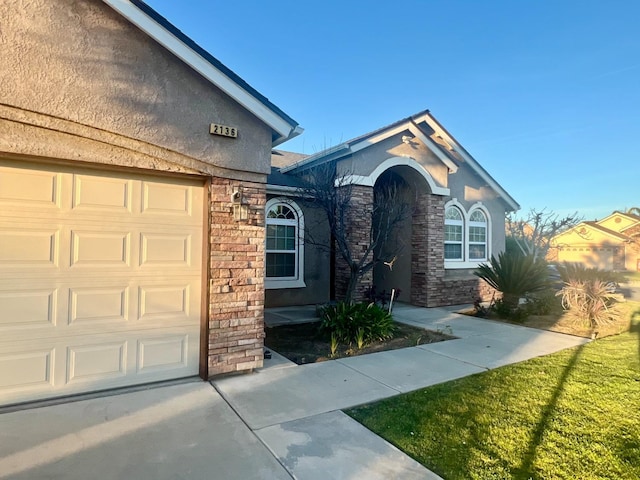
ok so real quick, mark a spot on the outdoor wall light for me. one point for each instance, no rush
(240, 205)
(408, 139)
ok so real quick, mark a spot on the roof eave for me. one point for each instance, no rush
(512, 205)
(139, 14)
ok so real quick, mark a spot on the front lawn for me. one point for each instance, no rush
(574, 414)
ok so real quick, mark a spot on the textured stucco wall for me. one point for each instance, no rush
(77, 76)
(365, 161)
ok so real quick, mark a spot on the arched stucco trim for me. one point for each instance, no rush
(370, 180)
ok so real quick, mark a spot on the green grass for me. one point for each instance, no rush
(631, 276)
(574, 414)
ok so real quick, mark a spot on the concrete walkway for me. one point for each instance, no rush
(283, 421)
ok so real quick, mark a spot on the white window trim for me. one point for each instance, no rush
(461, 223)
(466, 263)
(486, 234)
(297, 281)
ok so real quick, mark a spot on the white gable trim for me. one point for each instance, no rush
(361, 145)
(431, 145)
(472, 163)
(203, 67)
(370, 180)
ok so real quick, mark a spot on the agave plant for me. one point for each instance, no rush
(514, 276)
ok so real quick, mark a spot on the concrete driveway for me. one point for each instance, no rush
(184, 431)
(283, 421)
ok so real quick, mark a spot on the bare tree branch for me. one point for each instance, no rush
(533, 232)
(332, 193)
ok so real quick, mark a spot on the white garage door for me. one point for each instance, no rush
(100, 279)
(590, 257)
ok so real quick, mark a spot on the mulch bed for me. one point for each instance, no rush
(302, 343)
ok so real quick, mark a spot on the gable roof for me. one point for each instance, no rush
(423, 126)
(594, 225)
(162, 31)
(630, 216)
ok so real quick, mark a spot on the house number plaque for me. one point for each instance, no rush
(223, 130)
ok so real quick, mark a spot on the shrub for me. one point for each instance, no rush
(359, 323)
(514, 276)
(592, 301)
(577, 271)
(545, 302)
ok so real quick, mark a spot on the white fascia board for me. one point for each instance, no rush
(473, 164)
(361, 145)
(431, 145)
(202, 66)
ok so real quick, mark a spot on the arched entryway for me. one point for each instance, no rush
(403, 251)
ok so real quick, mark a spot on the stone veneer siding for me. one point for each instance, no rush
(429, 287)
(359, 218)
(427, 250)
(235, 331)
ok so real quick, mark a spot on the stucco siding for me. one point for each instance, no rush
(78, 69)
(365, 161)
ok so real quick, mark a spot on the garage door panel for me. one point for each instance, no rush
(96, 362)
(99, 249)
(100, 279)
(99, 305)
(166, 199)
(27, 309)
(160, 353)
(166, 301)
(26, 370)
(29, 188)
(99, 193)
(29, 247)
(162, 249)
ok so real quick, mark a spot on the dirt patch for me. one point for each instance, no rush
(302, 343)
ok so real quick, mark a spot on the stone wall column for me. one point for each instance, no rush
(427, 251)
(358, 221)
(236, 299)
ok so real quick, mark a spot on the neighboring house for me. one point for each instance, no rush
(458, 218)
(131, 238)
(609, 244)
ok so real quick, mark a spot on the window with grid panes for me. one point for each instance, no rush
(453, 234)
(282, 242)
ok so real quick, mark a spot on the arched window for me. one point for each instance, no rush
(477, 235)
(284, 260)
(453, 234)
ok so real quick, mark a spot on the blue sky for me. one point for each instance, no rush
(544, 94)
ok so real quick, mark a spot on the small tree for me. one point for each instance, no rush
(332, 193)
(533, 232)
